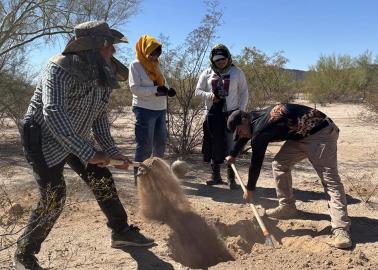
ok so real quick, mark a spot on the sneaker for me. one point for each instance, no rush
(340, 239)
(25, 262)
(282, 212)
(130, 237)
(233, 185)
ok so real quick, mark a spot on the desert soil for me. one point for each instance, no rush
(81, 240)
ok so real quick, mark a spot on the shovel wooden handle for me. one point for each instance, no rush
(115, 162)
(254, 210)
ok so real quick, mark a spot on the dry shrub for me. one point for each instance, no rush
(362, 183)
(371, 101)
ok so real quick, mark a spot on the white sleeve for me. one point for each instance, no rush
(135, 83)
(201, 89)
(243, 91)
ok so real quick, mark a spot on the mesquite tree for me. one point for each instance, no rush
(182, 67)
(26, 23)
(268, 81)
(341, 78)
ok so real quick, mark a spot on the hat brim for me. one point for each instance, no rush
(121, 40)
(218, 57)
(121, 71)
(93, 42)
(118, 36)
(235, 136)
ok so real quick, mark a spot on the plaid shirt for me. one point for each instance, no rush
(67, 110)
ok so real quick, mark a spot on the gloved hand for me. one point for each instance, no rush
(171, 92)
(162, 91)
(100, 158)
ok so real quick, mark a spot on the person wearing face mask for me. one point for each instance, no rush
(68, 106)
(224, 89)
(150, 91)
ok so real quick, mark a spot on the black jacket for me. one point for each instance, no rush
(278, 123)
(214, 134)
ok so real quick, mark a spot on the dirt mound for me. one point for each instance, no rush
(193, 242)
(241, 236)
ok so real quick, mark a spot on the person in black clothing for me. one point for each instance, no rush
(308, 133)
(223, 88)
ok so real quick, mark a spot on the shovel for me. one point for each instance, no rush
(268, 236)
(116, 162)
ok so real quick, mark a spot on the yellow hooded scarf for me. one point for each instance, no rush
(144, 47)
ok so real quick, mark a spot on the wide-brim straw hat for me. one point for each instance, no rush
(95, 35)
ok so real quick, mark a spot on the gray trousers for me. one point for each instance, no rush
(321, 149)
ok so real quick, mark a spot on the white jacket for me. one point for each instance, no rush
(144, 90)
(237, 91)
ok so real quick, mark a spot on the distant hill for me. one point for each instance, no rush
(298, 75)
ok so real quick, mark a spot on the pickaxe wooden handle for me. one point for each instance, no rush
(268, 237)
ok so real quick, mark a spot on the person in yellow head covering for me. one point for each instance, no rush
(150, 91)
(148, 51)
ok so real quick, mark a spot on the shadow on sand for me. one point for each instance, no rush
(363, 229)
(264, 196)
(146, 259)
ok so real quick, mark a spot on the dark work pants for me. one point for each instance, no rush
(52, 189)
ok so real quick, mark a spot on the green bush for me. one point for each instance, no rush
(268, 81)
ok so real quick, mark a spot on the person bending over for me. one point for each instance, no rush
(308, 133)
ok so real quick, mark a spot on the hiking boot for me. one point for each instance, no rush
(231, 178)
(215, 182)
(282, 212)
(233, 185)
(130, 237)
(216, 178)
(25, 261)
(340, 239)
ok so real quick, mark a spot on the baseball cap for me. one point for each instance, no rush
(218, 57)
(234, 120)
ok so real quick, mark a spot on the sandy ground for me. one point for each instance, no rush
(81, 240)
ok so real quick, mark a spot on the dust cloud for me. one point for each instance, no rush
(193, 242)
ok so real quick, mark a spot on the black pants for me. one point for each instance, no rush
(52, 189)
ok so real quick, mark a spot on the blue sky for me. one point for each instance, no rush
(303, 30)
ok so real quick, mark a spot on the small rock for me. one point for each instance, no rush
(16, 210)
(363, 257)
